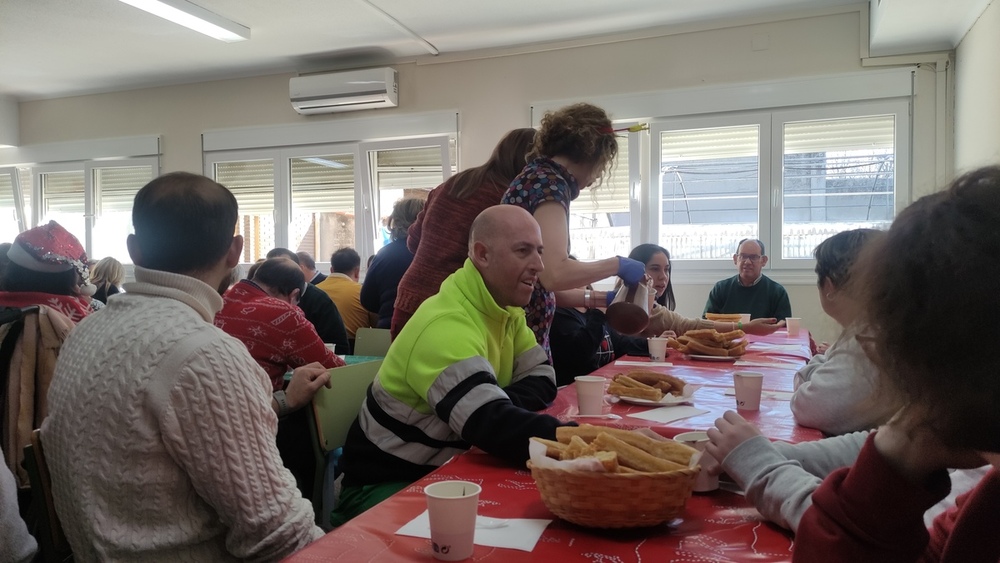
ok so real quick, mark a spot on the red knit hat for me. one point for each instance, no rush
(50, 248)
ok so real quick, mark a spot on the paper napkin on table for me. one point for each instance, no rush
(633, 363)
(777, 395)
(784, 365)
(669, 414)
(511, 533)
(777, 347)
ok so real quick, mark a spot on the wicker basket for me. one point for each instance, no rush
(614, 500)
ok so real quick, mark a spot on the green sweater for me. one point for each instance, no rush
(462, 372)
(766, 299)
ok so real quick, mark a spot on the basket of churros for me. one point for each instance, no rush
(612, 478)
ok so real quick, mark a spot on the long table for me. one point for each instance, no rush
(717, 526)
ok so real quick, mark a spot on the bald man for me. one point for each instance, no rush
(464, 371)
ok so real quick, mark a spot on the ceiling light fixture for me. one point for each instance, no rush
(194, 17)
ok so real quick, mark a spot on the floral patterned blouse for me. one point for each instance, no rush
(542, 180)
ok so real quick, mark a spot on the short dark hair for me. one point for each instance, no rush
(836, 255)
(183, 222)
(934, 272)
(644, 253)
(757, 240)
(344, 260)
(280, 274)
(276, 252)
(306, 260)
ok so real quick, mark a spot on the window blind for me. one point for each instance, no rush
(251, 181)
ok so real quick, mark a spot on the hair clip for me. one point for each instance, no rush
(630, 129)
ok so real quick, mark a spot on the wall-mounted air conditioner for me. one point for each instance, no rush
(344, 91)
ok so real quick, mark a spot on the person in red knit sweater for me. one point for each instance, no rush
(439, 238)
(262, 313)
(930, 289)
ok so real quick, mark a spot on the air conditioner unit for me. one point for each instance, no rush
(344, 91)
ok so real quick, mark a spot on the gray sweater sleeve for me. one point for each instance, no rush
(822, 457)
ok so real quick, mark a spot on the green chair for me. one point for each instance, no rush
(52, 544)
(372, 342)
(332, 413)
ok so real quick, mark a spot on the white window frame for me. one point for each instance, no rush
(15, 183)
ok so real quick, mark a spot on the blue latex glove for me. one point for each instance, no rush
(611, 297)
(630, 271)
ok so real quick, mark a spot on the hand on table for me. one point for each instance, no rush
(306, 381)
(762, 326)
(730, 431)
(668, 334)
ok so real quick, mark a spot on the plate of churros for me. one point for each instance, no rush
(708, 342)
(644, 387)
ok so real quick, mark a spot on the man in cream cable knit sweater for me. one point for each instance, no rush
(161, 433)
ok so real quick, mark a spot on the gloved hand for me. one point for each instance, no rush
(630, 271)
(611, 297)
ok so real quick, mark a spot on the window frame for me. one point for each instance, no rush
(15, 184)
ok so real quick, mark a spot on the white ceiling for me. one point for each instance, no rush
(56, 48)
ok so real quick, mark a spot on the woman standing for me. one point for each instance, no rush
(378, 293)
(574, 148)
(439, 238)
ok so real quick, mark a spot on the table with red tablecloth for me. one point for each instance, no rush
(717, 526)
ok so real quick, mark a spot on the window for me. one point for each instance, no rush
(791, 178)
(310, 198)
(11, 215)
(600, 219)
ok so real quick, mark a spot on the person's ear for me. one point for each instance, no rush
(763, 261)
(235, 251)
(480, 254)
(294, 296)
(133, 250)
(736, 259)
(356, 273)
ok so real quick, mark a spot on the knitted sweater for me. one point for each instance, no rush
(162, 447)
(835, 391)
(766, 299)
(439, 241)
(378, 293)
(275, 332)
(16, 544)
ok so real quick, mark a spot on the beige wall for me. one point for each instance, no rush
(492, 95)
(977, 93)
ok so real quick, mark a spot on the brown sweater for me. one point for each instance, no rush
(439, 241)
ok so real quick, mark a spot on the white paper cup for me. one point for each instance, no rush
(748, 386)
(698, 440)
(794, 324)
(657, 349)
(745, 318)
(452, 508)
(331, 347)
(590, 393)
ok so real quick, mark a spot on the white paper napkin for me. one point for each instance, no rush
(632, 363)
(669, 414)
(776, 347)
(511, 533)
(778, 395)
(783, 365)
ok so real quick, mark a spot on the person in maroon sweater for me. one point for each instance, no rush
(930, 289)
(439, 238)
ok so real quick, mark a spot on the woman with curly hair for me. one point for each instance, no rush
(574, 148)
(439, 238)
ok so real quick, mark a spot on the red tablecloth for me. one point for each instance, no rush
(718, 526)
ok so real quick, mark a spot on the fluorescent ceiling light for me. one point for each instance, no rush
(325, 162)
(194, 17)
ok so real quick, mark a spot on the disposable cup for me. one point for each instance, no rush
(744, 318)
(452, 507)
(748, 386)
(590, 393)
(698, 440)
(794, 324)
(331, 347)
(657, 349)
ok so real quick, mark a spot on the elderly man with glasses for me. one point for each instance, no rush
(750, 291)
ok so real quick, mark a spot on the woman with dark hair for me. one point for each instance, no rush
(831, 391)
(378, 292)
(662, 318)
(936, 265)
(574, 148)
(439, 238)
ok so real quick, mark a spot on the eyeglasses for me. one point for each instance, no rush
(751, 257)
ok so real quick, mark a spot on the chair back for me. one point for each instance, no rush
(51, 540)
(372, 342)
(335, 409)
